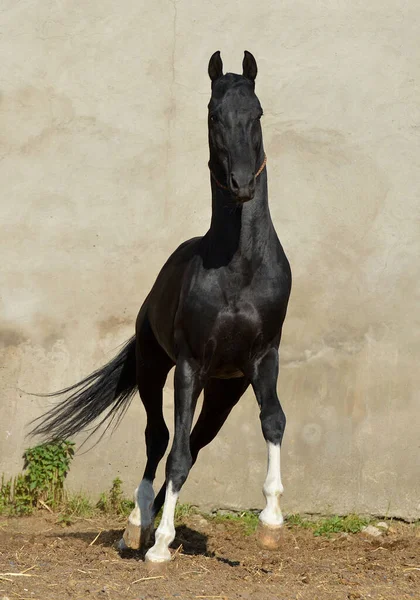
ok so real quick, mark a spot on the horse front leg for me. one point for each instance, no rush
(273, 423)
(187, 389)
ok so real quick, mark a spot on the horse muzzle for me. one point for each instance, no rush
(242, 186)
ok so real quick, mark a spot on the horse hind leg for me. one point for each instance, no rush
(138, 529)
(187, 387)
(151, 379)
(140, 521)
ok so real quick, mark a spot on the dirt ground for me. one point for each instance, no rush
(40, 560)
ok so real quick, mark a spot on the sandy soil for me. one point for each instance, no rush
(213, 561)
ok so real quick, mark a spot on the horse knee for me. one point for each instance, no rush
(273, 425)
(178, 468)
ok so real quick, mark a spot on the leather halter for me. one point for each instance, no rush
(260, 170)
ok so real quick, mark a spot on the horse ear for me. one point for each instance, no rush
(249, 66)
(215, 66)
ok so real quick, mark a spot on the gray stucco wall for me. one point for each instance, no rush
(103, 170)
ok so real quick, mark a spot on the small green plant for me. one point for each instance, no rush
(247, 519)
(46, 468)
(103, 503)
(23, 499)
(65, 520)
(113, 501)
(5, 494)
(348, 524)
(116, 496)
(183, 511)
(79, 505)
(297, 520)
(328, 525)
(15, 497)
(42, 482)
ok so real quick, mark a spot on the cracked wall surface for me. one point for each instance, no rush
(103, 164)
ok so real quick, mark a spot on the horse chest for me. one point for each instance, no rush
(227, 326)
(237, 320)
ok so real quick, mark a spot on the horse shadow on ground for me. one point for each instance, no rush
(193, 542)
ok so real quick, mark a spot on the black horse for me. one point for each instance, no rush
(216, 313)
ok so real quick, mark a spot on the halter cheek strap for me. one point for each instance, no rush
(260, 170)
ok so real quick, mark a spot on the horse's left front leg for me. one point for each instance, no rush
(273, 422)
(187, 386)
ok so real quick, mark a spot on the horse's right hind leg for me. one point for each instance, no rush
(153, 366)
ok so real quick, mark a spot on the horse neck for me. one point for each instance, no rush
(238, 235)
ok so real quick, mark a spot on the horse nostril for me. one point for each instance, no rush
(234, 184)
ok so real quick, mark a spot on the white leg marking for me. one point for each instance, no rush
(141, 516)
(165, 533)
(143, 502)
(135, 517)
(273, 488)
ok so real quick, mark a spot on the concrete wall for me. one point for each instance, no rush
(103, 169)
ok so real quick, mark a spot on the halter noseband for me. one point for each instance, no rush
(260, 170)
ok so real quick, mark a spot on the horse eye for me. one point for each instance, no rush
(213, 118)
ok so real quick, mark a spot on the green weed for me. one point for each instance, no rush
(247, 519)
(5, 494)
(42, 482)
(79, 505)
(46, 468)
(65, 520)
(348, 524)
(326, 526)
(297, 520)
(113, 501)
(103, 503)
(183, 511)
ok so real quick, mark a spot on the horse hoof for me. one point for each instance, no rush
(131, 537)
(269, 536)
(156, 558)
(122, 546)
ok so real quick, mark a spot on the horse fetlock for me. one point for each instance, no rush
(165, 535)
(132, 536)
(273, 489)
(272, 515)
(159, 553)
(136, 536)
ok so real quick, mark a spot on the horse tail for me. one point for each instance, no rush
(112, 387)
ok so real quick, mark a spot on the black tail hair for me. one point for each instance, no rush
(113, 386)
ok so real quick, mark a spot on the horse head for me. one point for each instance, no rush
(235, 136)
